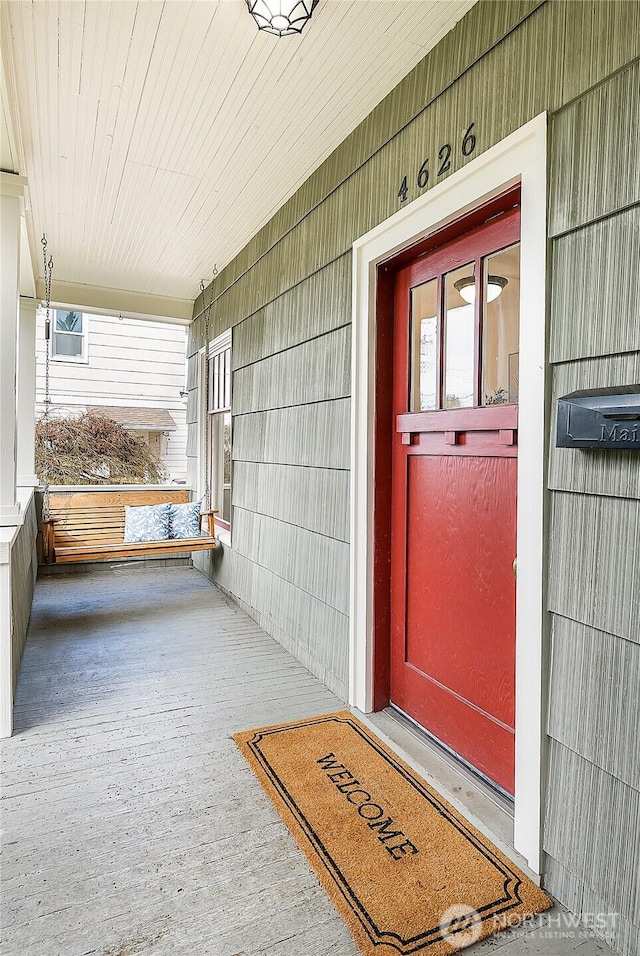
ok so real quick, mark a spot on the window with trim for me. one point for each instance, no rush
(219, 425)
(69, 339)
(464, 320)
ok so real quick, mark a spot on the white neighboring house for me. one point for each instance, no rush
(131, 370)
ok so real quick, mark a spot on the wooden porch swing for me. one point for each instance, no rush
(88, 525)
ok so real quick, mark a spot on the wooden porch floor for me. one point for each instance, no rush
(131, 823)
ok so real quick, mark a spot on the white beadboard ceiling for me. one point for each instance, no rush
(158, 137)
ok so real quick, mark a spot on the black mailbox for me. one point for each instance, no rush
(608, 418)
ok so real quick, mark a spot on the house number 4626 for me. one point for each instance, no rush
(444, 162)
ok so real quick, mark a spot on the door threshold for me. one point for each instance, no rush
(504, 799)
(485, 808)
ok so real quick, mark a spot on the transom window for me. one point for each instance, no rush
(69, 336)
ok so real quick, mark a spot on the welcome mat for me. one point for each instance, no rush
(406, 872)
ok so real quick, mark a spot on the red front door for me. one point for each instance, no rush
(454, 470)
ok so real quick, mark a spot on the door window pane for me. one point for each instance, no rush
(459, 335)
(501, 327)
(424, 346)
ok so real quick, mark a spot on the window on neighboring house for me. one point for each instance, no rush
(69, 343)
(219, 424)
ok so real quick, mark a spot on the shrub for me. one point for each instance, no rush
(92, 450)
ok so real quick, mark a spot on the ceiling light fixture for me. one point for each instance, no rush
(282, 18)
(467, 287)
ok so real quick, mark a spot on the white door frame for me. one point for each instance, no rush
(522, 157)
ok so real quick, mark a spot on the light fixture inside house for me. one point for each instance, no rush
(467, 287)
(281, 17)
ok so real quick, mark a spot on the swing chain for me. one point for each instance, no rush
(207, 323)
(48, 273)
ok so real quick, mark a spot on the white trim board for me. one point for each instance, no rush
(220, 343)
(118, 302)
(522, 156)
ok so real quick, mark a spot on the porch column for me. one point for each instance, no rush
(7, 536)
(11, 192)
(27, 393)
